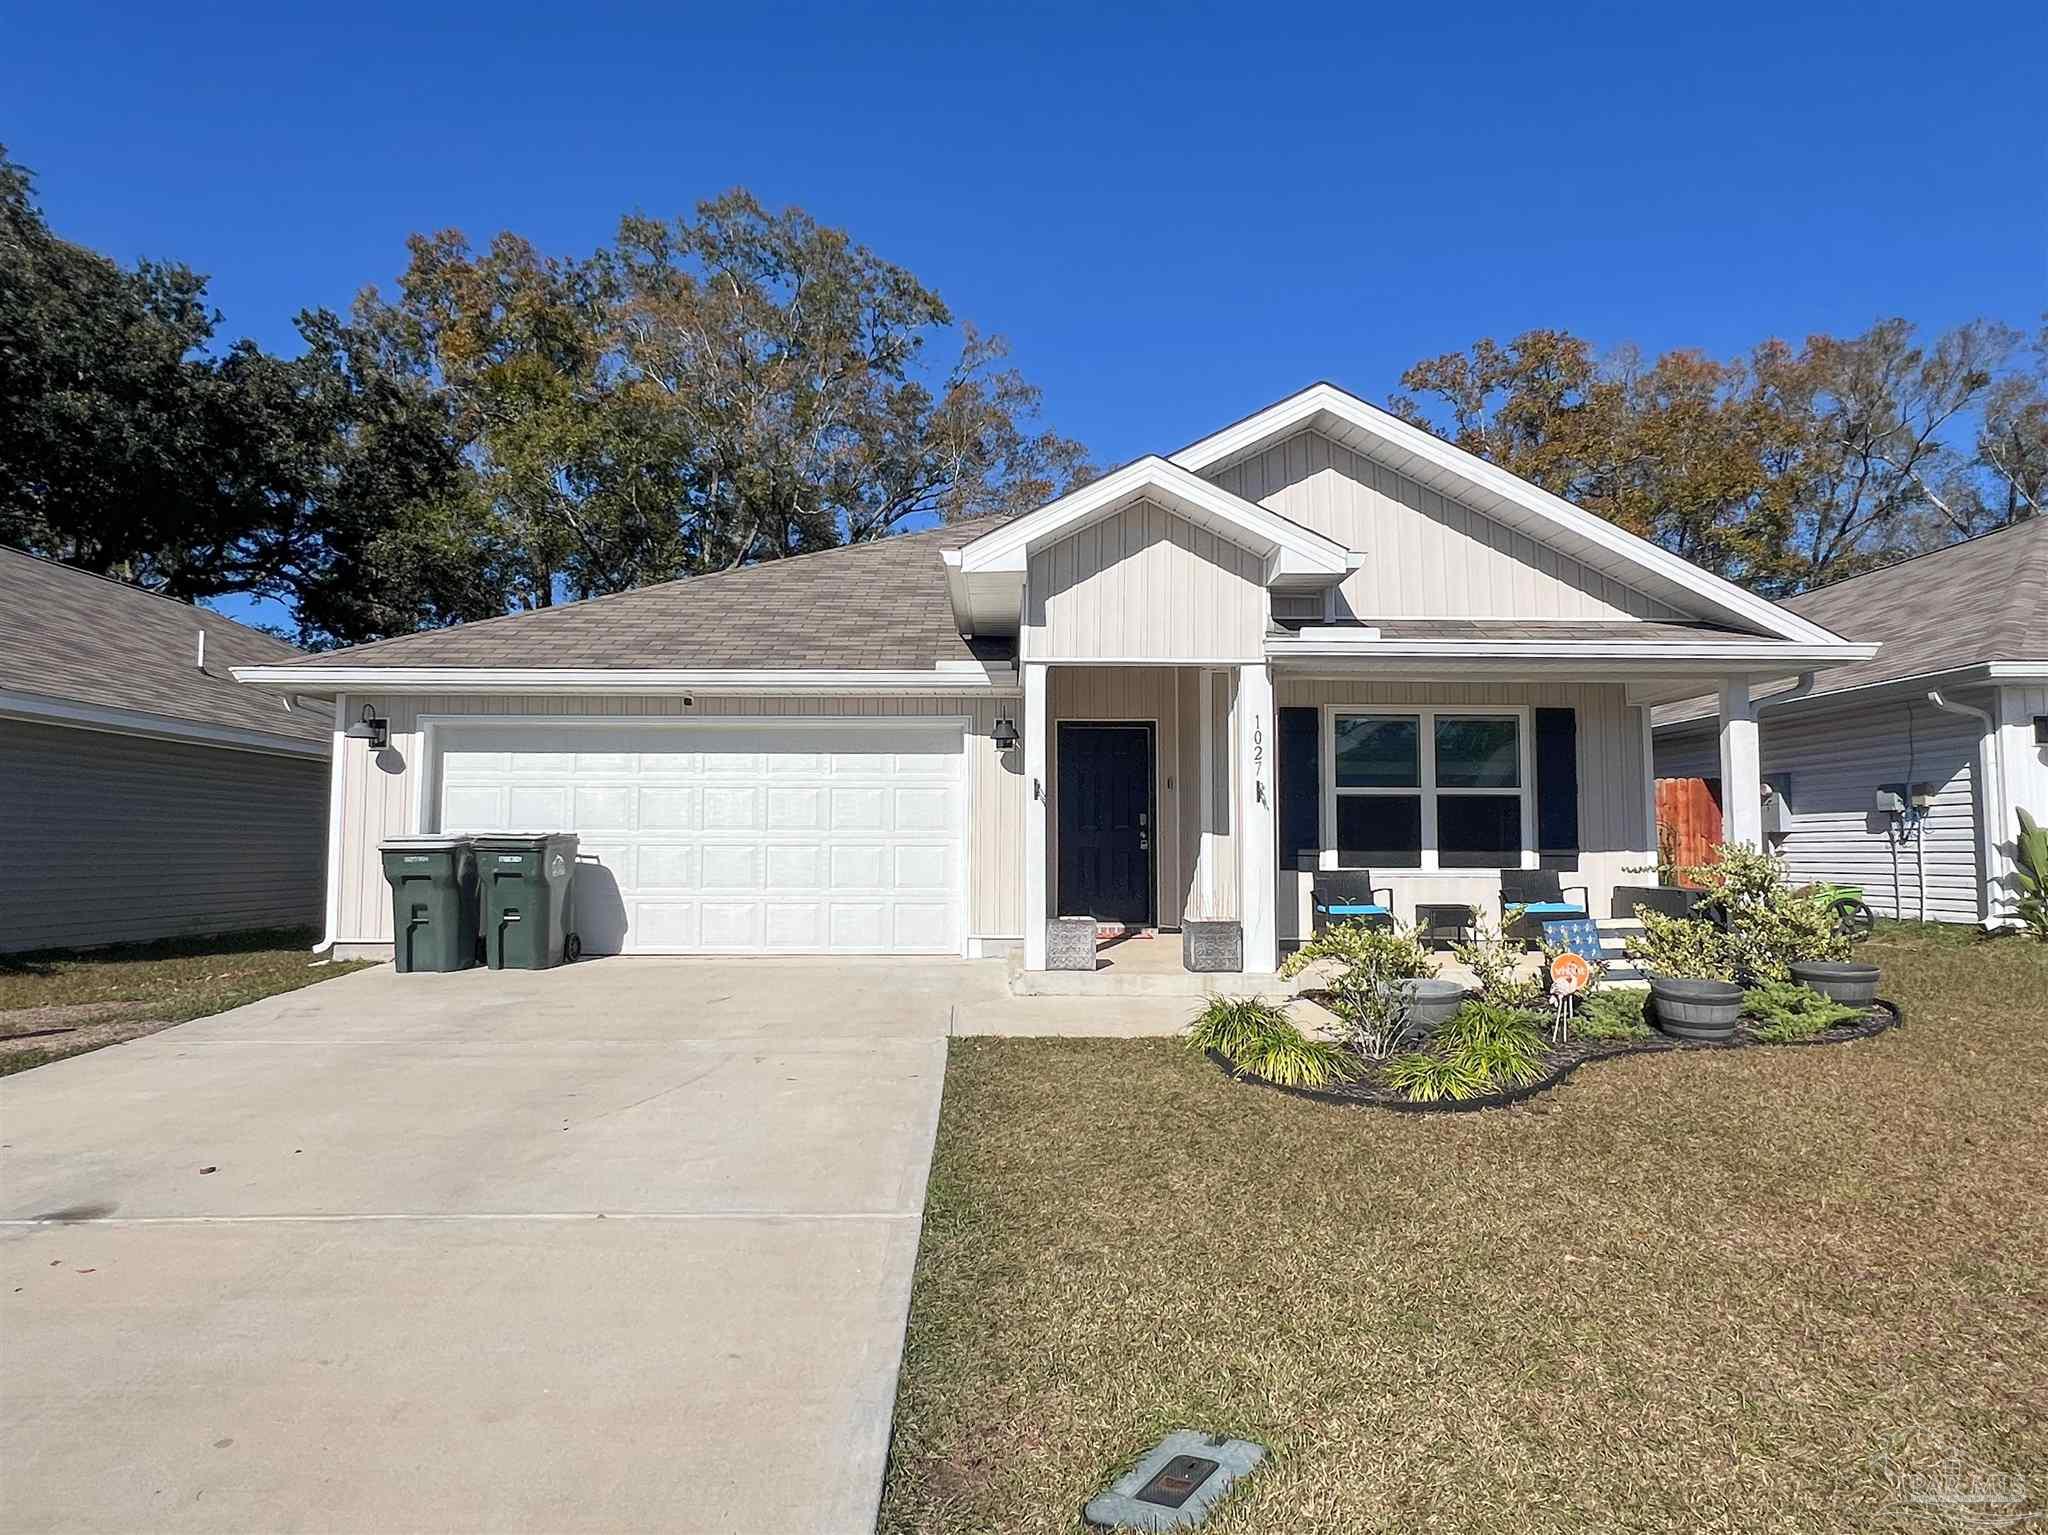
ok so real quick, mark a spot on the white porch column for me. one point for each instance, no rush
(1253, 785)
(1036, 793)
(1742, 787)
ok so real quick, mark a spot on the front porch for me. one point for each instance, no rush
(1157, 796)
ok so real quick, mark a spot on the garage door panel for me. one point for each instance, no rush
(786, 838)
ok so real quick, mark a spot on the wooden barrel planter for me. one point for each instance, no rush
(1704, 1010)
(1850, 984)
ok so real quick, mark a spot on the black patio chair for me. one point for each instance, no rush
(1349, 895)
(1541, 898)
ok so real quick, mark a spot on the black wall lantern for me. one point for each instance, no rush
(1005, 734)
(369, 728)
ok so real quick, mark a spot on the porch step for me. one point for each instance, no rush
(1615, 964)
(1110, 979)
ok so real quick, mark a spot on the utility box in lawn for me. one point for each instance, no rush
(433, 902)
(527, 883)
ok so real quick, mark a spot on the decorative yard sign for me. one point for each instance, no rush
(1570, 974)
(1176, 1484)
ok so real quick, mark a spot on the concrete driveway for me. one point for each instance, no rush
(623, 1246)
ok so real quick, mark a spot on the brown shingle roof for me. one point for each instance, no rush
(75, 637)
(873, 606)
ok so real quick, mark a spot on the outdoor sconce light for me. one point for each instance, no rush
(369, 728)
(1005, 735)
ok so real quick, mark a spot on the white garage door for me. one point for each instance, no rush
(754, 838)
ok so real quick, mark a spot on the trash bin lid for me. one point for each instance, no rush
(428, 842)
(532, 841)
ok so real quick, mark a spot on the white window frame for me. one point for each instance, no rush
(1426, 717)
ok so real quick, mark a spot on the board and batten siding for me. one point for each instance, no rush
(1144, 585)
(1617, 843)
(1834, 759)
(115, 838)
(1426, 555)
(387, 794)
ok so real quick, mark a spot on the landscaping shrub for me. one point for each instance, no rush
(1259, 1039)
(1483, 1048)
(1362, 994)
(1782, 1011)
(1768, 922)
(1681, 948)
(1495, 962)
(2030, 872)
(1612, 1013)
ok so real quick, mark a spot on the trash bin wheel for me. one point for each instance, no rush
(572, 947)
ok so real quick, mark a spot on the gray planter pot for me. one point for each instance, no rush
(1070, 943)
(1845, 982)
(1212, 947)
(1707, 1010)
(1426, 1004)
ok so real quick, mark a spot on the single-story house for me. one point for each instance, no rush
(147, 793)
(1948, 722)
(1317, 638)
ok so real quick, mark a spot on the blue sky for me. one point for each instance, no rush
(1176, 215)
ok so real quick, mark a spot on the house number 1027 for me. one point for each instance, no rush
(1259, 758)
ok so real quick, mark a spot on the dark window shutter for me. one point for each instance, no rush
(1557, 780)
(1301, 796)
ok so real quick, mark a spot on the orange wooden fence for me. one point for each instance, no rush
(1688, 819)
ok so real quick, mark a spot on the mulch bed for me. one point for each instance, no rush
(1568, 1058)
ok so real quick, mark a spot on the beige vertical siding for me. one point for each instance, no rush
(112, 838)
(1426, 556)
(382, 795)
(1145, 585)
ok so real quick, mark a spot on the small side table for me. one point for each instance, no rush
(1443, 923)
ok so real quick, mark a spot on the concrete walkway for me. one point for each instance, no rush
(617, 1247)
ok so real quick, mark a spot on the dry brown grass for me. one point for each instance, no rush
(1681, 1292)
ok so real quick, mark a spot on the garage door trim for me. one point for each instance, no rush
(425, 809)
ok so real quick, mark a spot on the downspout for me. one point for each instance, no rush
(1989, 789)
(336, 773)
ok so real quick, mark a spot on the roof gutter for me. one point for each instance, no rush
(968, 678)
(162, 727)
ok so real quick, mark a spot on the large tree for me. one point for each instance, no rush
(1780, 469)
(724, 388)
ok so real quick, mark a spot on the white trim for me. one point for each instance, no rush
(1744, 650)
(163, 727)
(1742, 813)
(1448, 463)
(1258, 848)
(1426, 787)
(1205, 846)
(1914, 682)
(337, 799)
(493, 679)
(427, 789)
(1291, 548)
(1036, 725)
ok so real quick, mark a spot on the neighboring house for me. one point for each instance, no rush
(146, 793)
(1318, 637)
(1956, 702)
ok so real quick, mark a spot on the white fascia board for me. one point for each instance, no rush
(1318, 400)
(161, 727)
(1916, 685)
(1703, 653)
(491, 679)
(956, 591)
(1289, 548)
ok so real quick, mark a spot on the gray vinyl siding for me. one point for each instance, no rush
(114, 838)
(1834, 759)
(1426, 554)
(1145, 585)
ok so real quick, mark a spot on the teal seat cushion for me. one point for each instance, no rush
(1356, 911)
(1553, 906)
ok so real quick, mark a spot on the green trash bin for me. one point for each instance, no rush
(433, 902)
(527, 882)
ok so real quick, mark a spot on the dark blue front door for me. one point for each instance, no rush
(1106, 822)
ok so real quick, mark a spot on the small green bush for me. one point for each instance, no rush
(1362, 994)
(1782, 1011)
(1259, 1039)
(1681, 948)
(1612, 1013)
(1482, 1048)
(2030, 873)
(1768, 923)
(1496, 963)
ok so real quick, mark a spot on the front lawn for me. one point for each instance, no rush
(62, 1002)
(1710, 1291)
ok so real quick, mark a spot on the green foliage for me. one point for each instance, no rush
(1363, 993)
(2030, 872)
(1783, 1010)
(1768, 923)
(1613, 1012)
(1497, 964)
(1259, 1039)
(1681, 948)
(1482, 1048)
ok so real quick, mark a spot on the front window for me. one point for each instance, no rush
(1427, 789)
